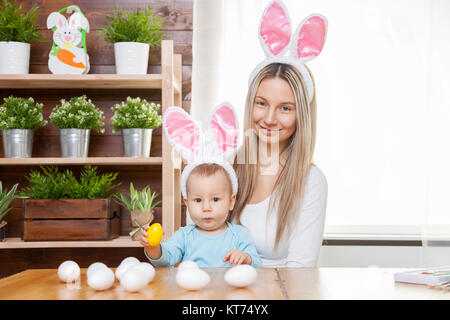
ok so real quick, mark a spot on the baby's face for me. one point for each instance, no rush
(209, 200)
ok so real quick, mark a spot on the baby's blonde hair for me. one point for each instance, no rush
(207, 170)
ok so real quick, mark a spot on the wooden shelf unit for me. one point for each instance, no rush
(169, 81)
(141, 161)
(92, 81)
(18, 243)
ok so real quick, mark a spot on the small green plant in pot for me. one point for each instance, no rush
(75, 119)
(19, 118)
(6, 197)
(136, 118)
(17, 31)
(140, 205)
(133, 34)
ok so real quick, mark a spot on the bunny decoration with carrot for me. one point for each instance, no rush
(69, 53)
(216, 145)
(276, 39)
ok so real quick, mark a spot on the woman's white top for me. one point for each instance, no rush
(301, 248)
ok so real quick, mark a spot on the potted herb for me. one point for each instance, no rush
(19, 117)
(6, 197)
(133, 34)
(141, 205)
(75, 119)
(59, 206)
(136, 118)
(17, 31)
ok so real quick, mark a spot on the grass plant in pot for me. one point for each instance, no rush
(133, 34)
(58, 205)
(75, 119)
(140, 205)
(19, 118)
(136, 118)
(6, 197)
(17, 31)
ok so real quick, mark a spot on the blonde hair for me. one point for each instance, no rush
(290, 183)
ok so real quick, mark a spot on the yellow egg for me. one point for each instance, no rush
(155, 233)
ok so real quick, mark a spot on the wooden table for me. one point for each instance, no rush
(272, 284)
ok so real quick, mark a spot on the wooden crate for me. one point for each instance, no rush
(70, 219)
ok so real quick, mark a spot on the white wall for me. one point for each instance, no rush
(384, 256)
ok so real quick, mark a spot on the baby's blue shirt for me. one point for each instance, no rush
(188, 243)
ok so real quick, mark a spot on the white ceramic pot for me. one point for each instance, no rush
(14, 57)
(131, 57)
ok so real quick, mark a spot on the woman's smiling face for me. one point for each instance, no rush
(274, 114)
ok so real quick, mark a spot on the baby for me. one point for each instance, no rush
(211, 241)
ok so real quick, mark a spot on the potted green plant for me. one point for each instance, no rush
(19, 117)
(57, 205)
(6, 197)
(17, 31)
(136, 118)
(75, 119)
(140, 205)
(133, 34)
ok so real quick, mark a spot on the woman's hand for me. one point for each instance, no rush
(237, 257)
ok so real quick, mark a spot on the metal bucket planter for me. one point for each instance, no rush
(17, 143)
(74, 142)
(136, 142)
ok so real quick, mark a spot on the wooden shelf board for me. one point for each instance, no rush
(89, 160)
(120, 242)
(97, 81)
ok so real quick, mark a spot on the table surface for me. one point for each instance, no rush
(272, 284)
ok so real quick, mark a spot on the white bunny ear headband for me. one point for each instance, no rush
(219, 142)
(275, 38)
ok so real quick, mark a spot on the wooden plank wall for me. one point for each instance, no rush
(179, 28)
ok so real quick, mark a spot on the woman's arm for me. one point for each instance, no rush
(306, 237)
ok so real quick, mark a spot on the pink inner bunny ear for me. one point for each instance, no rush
(311, 37)
(275, 28)
(224, 126)
(182, 131)
(60, 22)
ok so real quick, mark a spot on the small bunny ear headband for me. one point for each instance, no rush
(275, 38)
(219, 142)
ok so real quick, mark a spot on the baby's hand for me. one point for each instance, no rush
(143, 238)
(237, 257)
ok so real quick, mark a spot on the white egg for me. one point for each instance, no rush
(123, 267)
(129, 259)
(148, 269)
(187, 264)
(101, 278)
(95, 266)
(134, 280)
(242, 275)
(192, 279)
(68, 271)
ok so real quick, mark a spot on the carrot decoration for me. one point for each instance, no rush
(65, 56)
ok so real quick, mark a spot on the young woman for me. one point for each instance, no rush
(282, 195)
